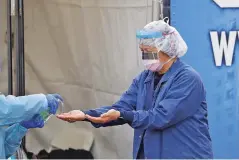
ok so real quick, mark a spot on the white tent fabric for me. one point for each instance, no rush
(85, 50)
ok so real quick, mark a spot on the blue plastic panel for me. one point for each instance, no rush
(195, 19)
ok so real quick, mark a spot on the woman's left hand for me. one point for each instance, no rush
(111, 115)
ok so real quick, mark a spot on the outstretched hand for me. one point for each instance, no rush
(72, 116)
(109, 116)
(77, 115)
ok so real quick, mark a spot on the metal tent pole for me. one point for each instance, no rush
(20, 66)
(9, 46)
(22, 56)
(20, 61)
(157, 10)
(18, 47)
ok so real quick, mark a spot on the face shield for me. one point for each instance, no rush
(146, 46)
(150, 44)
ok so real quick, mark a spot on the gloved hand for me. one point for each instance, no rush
(53, 102)
(35, 122)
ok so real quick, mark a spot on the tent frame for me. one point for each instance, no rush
(15, 9)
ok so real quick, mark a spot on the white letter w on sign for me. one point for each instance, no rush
(224, 47)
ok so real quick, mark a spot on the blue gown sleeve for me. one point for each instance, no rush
(14, 135)
(16, 109)
(182, 100)
(127, 102)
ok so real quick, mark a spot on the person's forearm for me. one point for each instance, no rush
(127, 115)
(25, 107)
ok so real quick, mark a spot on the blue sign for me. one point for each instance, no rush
(211, 30)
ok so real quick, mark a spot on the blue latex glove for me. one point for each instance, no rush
(53, 102)
(35, 122)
